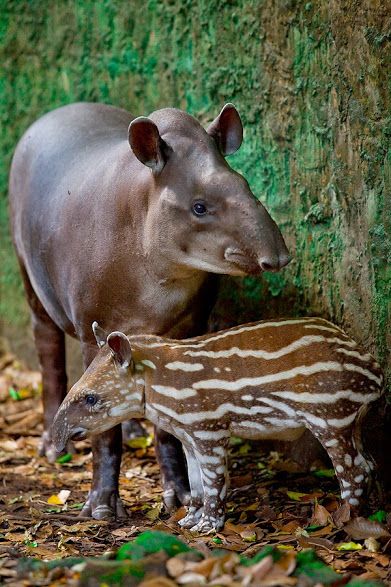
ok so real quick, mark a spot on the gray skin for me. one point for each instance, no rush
(104, 226)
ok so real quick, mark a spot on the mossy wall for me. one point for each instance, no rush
(311, 80)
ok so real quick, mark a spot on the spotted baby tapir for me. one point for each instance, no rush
(270, 379)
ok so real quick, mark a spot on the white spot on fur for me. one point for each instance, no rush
(213, 491)
(216, 414)
(148, 363)
(358, 460)
(119, 410)
(304, 370)
(173, 392)
(332, 442)
(181, 366)
(211, 434)
(342, 422)
(348, 460)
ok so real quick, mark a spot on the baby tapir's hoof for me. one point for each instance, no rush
(208, 524)
(192, 518)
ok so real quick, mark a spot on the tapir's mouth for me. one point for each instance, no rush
(244, 263)
(79, 434)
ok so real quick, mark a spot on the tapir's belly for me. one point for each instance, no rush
(268, 432)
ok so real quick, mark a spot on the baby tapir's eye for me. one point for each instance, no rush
(91, 399)
(199, 208)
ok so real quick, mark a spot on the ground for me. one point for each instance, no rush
(271, 504)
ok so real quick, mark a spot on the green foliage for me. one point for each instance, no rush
(267, 550)
(309, 564)
(150, 542)
(379, 516)
(66, 458)
(329, 473)
(133, 563)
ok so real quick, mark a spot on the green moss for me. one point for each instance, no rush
(311, 84)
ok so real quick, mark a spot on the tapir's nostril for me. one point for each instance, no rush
(269, 263)
(267, 266)
(274, 263)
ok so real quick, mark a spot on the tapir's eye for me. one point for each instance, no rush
(199, 208)
(91, 399)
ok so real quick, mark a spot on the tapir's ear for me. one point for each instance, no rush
(227, 130)
(100, 334)
(120, 348)
(147, 144)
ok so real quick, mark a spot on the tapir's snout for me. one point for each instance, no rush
(274, 262)
(273, 254)
(61, 435)
(62, 431)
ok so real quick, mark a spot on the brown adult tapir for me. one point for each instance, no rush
(124, 220)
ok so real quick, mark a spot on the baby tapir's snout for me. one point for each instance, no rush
(108, 393)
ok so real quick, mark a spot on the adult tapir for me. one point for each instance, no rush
(124, 220)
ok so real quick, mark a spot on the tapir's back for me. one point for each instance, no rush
(303, 360)
(63, 196)
(66, 138)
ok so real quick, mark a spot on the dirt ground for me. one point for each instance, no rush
(271, 502)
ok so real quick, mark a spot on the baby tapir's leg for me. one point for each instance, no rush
(214, 472)
(352, 469)
(195, 508)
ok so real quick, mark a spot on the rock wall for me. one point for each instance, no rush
(311, 82)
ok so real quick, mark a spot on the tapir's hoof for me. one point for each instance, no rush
(174, 495)
(47, 449)
(191, 519)
(208, 524)
(132, 429)
(105, 507)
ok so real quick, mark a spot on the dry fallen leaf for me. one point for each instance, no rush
(158, 582)
(320, 516)
(341, 515)
(360, 528)
(60, 498)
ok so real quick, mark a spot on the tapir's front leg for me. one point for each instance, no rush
(195, 508)
(174, 480)
(214, 472)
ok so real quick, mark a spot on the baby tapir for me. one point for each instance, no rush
(270, 379)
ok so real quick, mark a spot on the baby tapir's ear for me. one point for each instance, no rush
(100, 334)
(120, 349)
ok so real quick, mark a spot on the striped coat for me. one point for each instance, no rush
(270, 379)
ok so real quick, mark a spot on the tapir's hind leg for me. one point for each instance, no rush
(50, 345)
(353, 469)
